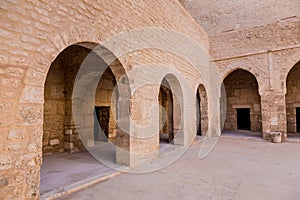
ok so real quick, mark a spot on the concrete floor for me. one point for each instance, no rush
(237, 168)
(243, 134)
(293, 137)
(63, 171)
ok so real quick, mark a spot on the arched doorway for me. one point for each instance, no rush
(166, 128)
(60, 134)
(170, 99)
(202, 111)
(243, 112)
(293, 100)
(105, 108)
(81, 63)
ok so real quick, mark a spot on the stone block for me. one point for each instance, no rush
(90, 142)
(32, 95)
(10, 83)
(15, 134)
(69, 145)
(54, 142)
(5, 162)
(69, 132)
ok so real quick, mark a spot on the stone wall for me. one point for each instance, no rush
(106, 95)
(204, 114)
(269, 52)
(33, 34)
(292, 98)
(242, 92)
(60, 133)
(261, 37)
(165, 110)
(54, 109)
(267, 45)
(219, 16)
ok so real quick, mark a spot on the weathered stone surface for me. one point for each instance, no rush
(44, 43)
(242, 92)
(292, 98)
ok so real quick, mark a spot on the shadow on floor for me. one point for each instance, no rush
(242, 134)
(293, 137)
(65, 169)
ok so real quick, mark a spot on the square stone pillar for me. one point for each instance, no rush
(144, 130)
(273, 114)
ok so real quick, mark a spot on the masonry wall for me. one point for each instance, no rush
(269, 52)
(219, 16)
(242, 92)
(106, 95)
(54, 110)
(33, 34)
(264, 42)
(204, 114)
(292, 98)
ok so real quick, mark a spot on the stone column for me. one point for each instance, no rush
(144, 126)
(123, 126)
(273, 114)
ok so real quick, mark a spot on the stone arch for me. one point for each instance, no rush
(93, 64)
(202, 119)
(261, 76)
(292, 99)
(166, 128)
(286, 61)
(80, 35)
(172, 85)
(243, 99)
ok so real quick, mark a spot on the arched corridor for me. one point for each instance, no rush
(202, 111)
(81, 97)
(170, 111)
(60, 134)
(293, 100)
(243, 112)
(166, 126)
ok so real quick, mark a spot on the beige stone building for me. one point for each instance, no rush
(134, 73)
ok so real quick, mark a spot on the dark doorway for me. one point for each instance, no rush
(166, 114)
(102, 114)
(243, 119)
(198, 115)
(298, 119)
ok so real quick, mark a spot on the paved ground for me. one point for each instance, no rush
(65, 169)
(237, 168)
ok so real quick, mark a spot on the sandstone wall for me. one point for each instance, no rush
(33, 34)
(261, 37)
(269, 52)
(106, 96)
(242, 92)
(293, 98)
(203, 112)
(219, 16)
(54, 110)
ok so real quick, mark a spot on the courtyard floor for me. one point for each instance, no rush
(237, 168)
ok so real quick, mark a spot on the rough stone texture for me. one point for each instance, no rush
(292, 98)
(261, 39)
(242, 92)
(33, 34)
(54, 110)
(248, 172)
(203, 112)
(106, 95)
(219, 16)
(166, 111)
